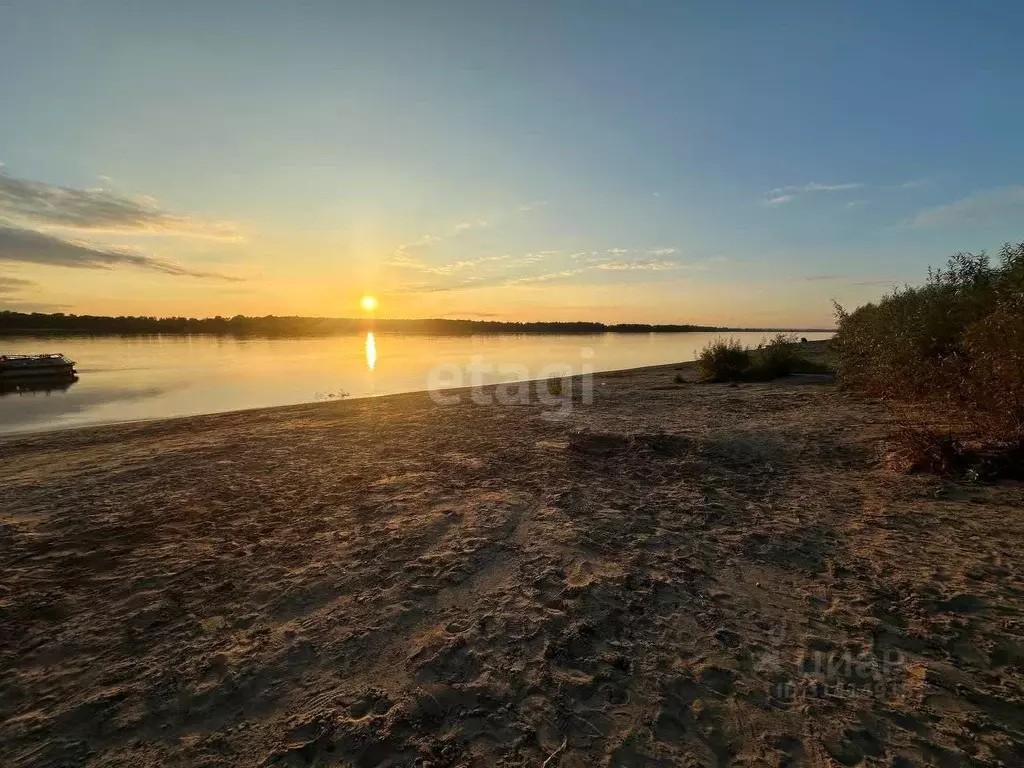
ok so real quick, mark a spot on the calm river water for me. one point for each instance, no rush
(151, 377)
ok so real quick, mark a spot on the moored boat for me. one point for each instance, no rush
(35, 367)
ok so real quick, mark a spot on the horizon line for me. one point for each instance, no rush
(365, 323)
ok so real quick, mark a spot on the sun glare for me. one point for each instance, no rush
(369, 303)
(371, 351)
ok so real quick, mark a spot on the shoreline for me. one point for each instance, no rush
(817, 349)
(326, 403)
(596, 329)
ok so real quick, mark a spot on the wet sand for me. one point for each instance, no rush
(676, 574)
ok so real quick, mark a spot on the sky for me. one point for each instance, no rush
(728, 163)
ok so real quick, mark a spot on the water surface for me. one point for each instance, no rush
(124, 378)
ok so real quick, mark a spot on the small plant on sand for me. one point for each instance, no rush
(554, 387)
(723, 360)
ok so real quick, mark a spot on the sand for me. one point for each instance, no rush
(676, 574)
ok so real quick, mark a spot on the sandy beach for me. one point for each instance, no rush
(675, 574)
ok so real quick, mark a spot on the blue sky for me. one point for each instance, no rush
(730, 162)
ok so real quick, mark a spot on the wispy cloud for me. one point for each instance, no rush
(527, 207)
(879, 281)
(611, 255)
(464, 225)
(982, 206)
(36, 205)
(816, 187)
(32, 247)
(15, 305)
(13, 291)
(787, 194)
(480, 315)
(9, 285)
(542, 278)
(57, 226)
(418, 286)
(403, 255)
(850, 281)
(634, 259)
(655, 265)
(509, 270)
(458, 266)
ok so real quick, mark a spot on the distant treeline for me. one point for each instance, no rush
(271, 325)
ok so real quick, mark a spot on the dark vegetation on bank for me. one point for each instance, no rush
(951, 354)
(727, 360)
(271, 325)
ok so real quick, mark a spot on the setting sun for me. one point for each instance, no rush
(369, 303)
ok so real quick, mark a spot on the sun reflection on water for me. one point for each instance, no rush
(371, 351)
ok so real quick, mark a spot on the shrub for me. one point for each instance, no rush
(723, 360)
(726, 360)
(918, 448)
(776, 358)
(955, 343)
(995, 387)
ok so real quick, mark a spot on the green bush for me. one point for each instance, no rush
(727, 360)
(723, 360)
(955, 343)
(776, 358)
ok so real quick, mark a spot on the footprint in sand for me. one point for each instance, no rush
(615, 694)
(457, 627)
(855, 746)
(580, 574)
(368, 703)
